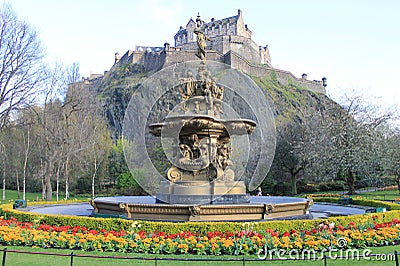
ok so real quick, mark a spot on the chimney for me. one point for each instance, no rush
(166, 46)
(116, 58)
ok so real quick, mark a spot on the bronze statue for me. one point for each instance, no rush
(201, 41)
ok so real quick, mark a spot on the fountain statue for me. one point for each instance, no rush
(202, 168)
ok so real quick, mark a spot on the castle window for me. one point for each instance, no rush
(227, 26)
(206, 30)
(191, 35)
(220, 28)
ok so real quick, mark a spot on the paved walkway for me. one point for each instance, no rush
(323, 210)
(76, 209)
(318, 210)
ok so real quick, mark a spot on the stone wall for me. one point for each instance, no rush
(154, 61)
(284, 77)
(189, 55)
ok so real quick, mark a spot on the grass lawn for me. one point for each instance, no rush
(378, 195)
(381, 195)
(40, 259)
(13, 195)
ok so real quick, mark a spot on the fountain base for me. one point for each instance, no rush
(202, 192)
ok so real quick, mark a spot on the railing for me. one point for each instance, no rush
(387, 257)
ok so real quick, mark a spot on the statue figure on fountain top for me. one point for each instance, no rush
(201, 40)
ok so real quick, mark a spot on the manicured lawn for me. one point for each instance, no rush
(381, 195)
(13, 195)
(38, 259)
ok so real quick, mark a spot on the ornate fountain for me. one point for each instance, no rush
(202, 169)
(203, 182)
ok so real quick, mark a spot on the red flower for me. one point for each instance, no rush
(93, 232)
(286, 234)
(142, 234)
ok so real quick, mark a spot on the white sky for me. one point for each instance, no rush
(355, 44)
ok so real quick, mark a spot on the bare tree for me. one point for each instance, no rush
(27, 150)
(289, 162)
(73, 103)
(4, 160)
(21, 64)
(393, 155)
(349, 147)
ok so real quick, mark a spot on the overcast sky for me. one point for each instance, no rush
(355, 44)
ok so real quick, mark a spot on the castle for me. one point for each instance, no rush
(229, 42)
(226, 35)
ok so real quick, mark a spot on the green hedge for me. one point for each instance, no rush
(362, 202)
(200, 227)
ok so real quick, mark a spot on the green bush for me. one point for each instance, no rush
(306, 188)
(303, 187)
(362, 202)
(331, 186)
(126, 183)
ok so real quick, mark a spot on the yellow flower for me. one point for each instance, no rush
(228, 243)
(214, 246)
(200, 246)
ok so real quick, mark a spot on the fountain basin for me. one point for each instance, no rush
(146, 208)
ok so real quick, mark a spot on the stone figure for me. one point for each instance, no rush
(186, 151)
(223, 155)
(189, 85)
(201, 41)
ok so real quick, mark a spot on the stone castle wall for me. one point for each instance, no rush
(284, 77)
(154, 61)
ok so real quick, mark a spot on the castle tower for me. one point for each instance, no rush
(228, 34)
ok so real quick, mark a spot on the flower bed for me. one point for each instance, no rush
(365, 231)
(203, 228)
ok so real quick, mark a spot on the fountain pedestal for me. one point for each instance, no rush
(202, 192)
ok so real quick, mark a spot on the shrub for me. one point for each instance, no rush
(127, 184)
